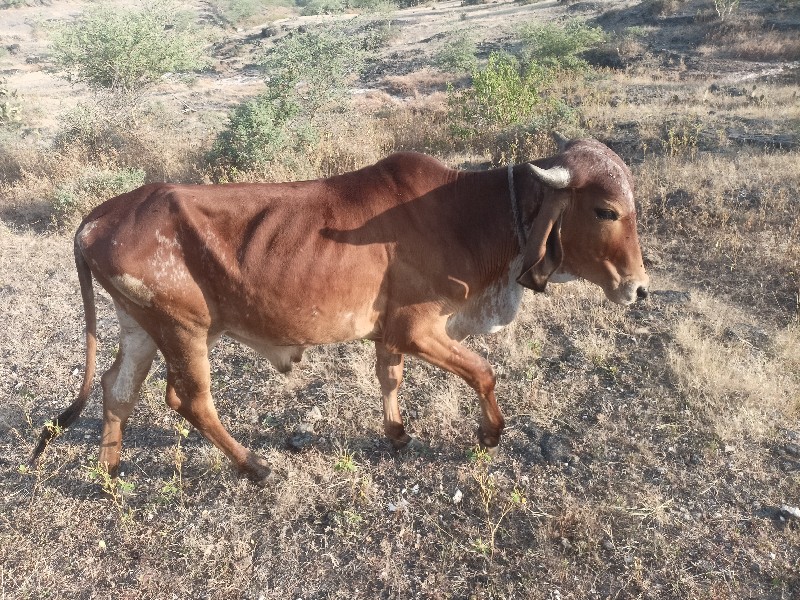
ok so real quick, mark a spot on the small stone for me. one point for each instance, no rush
(314, 415)
(555, 449)
(790, 512)
(793, 449)
(300, 440)
(608, 545)
(457, 497)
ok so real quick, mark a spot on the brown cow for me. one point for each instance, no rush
(407, 253)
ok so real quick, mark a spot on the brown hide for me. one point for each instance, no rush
(407, 253)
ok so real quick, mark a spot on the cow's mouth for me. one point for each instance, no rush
(627, 292)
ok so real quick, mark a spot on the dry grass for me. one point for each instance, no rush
(653, 446)
(749, 37)
(726, 365)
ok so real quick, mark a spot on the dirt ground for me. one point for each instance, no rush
(651, 451)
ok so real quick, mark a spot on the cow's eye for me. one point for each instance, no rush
(606, 215)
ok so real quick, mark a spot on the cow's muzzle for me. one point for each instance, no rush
(629, 291)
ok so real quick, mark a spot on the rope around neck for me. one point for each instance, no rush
(518, 226)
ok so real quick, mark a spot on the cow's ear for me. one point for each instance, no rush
(543, 252)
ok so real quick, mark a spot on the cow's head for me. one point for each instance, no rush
(586, 223)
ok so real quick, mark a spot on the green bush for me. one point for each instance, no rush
(518, 93)
(372, 5)
(236, 12)
(314, 68)
(321, 7)
(554, 47)
(258, 132)
(457, 54)
(125, 50)
(95, 186)
(505, 94)
(308, 77)
(331, 7)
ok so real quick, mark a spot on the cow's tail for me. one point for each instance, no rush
(54, 427)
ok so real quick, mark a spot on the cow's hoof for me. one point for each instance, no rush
(257, 470)
(400, 441)
(492, 451)
(411, 446)
(488, 442)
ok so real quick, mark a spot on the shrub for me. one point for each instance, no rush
(321, 7)
(258, 132)
(95, 186)
(372, 5)
(315, 67)
(505, 94)
(457, 54)
(308, 76)
(555, 47)
(517, 94)
(248, 11)
(126, 50)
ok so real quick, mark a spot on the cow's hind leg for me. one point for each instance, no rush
(389, 369)
(121, 385)
(189, 393)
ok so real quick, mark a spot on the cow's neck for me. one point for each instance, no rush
(529, 193)
(498, 235)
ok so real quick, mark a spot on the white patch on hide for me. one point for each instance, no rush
(137, 350)
(83, 235)
(492, 309)
(167, 264)
(133, 289)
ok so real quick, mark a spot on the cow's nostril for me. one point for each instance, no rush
(642, 293)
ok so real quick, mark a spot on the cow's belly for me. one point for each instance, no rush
(282, 337)
(315, 297)
(304, 322)
(489, 311)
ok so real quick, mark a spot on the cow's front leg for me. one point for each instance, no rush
(439, 349)
(389, 369)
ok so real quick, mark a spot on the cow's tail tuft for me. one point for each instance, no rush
(54, 427)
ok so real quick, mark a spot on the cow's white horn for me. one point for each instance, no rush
(556, 177)
(560, 141)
